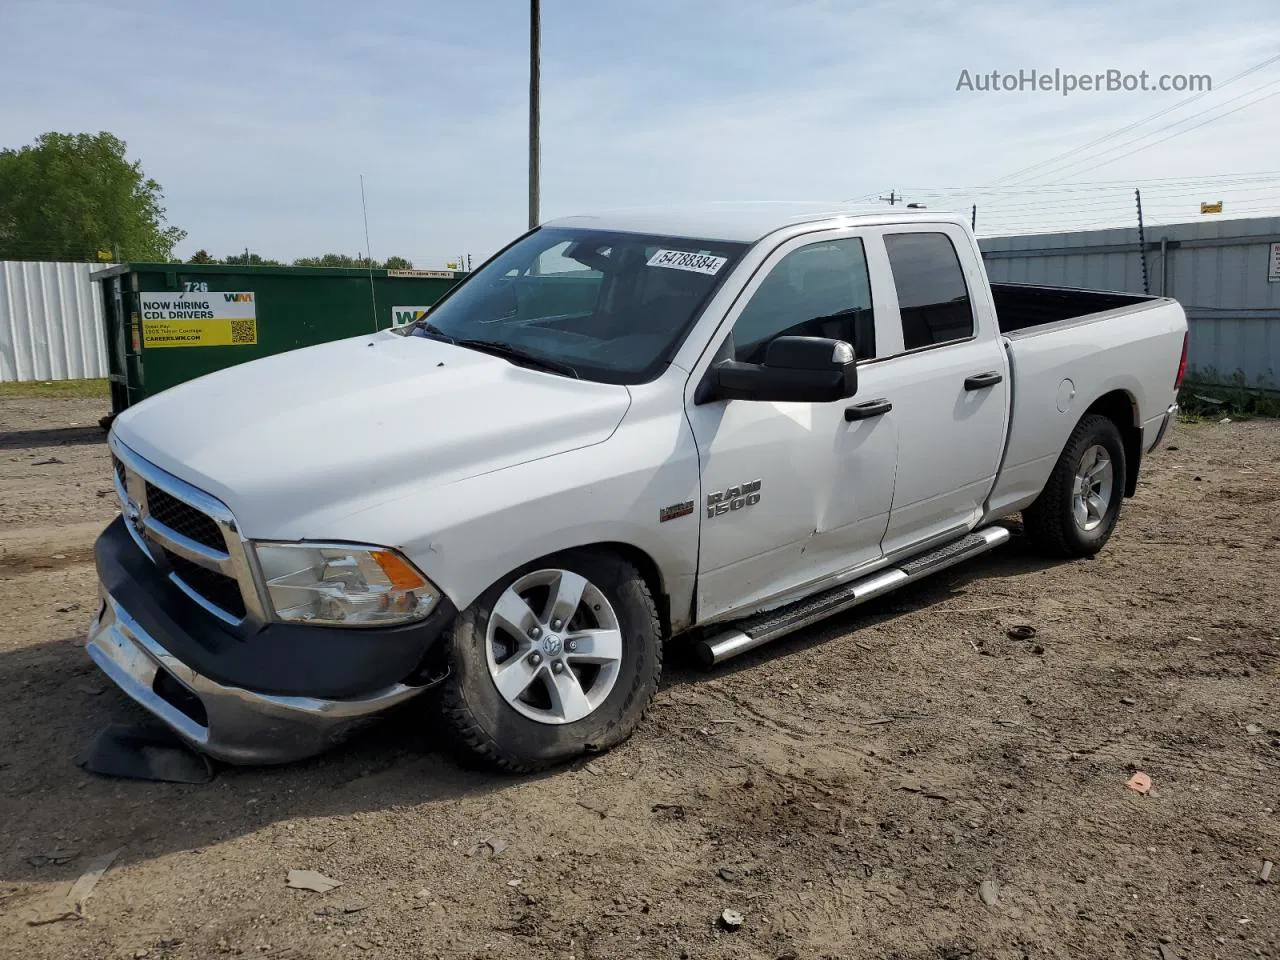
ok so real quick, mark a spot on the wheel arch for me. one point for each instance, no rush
(639, 558)
(1121, 408)
(649, 569)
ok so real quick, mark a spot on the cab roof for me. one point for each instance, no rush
(744, 221)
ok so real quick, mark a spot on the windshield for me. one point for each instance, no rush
(602, 306)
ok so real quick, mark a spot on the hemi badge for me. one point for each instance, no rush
(675, 510)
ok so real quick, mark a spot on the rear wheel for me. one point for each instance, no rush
(1077, 511)
(557, 659)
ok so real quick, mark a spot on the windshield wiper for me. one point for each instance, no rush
(431, 330)
(516, 354)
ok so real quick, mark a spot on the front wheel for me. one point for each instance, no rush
(1077, 511)
(557, 659)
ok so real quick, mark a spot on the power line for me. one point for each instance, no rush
(1073, 185)
(1088, 203)
(1221, 116)
(1047, 203)
(1017, 174)
(1177, 123)
(1010, 228)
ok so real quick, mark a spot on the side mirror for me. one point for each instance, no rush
(795, 370)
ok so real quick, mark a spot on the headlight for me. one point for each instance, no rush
(343, 585)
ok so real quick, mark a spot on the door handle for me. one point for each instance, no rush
(980, 381)
(867, 410)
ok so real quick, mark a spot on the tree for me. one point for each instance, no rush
(202, 256)
(71, 196)
(248, 259)
(343, 260)
(331, 260)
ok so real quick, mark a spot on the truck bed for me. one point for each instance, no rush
(1066, 348)
(1023, 305)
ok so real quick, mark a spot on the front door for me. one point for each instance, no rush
(793, 493)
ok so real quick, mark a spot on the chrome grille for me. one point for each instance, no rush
(184, 518)
(188, 534)
(217, 588)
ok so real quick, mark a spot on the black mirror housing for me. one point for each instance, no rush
(795, 370)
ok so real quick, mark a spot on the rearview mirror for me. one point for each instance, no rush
(795, 370)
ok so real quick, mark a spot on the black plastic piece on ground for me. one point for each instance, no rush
(145, 752)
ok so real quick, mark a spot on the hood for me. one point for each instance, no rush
(334, 428)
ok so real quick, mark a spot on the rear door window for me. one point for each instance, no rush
(932, 295)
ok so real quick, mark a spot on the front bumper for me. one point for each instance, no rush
(276, 693)
(229, 723)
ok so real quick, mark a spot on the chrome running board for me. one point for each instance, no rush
(756, 631)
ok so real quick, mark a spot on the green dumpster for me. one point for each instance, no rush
(167, 323)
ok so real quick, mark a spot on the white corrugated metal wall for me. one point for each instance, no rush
(1217, 269)
(50, 322)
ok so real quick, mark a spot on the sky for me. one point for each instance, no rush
(258, 119)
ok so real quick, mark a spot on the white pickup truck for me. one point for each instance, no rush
(724, 422)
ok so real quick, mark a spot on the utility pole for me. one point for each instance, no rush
(973, 219)
(892, 198)
(535, 42)
(1142, 242)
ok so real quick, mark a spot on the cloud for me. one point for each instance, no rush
(259, 119)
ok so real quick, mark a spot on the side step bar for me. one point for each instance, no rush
(758, 630)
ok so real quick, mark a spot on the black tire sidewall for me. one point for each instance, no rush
(519, 741)
(1102, 432)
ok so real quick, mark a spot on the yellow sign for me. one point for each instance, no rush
(442, 274)
(199, 319)
(1211, 207)
(199, 333)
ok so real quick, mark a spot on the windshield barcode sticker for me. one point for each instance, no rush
(693, 262)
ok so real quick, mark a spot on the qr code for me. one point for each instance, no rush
(244, 331)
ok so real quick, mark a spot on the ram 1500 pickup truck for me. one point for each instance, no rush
(723, 422)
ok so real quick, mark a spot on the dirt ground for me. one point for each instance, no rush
(847, 790)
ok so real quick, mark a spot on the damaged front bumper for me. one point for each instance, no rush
(254, 693)
(228, 723)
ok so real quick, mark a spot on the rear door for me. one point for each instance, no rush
(950, 385)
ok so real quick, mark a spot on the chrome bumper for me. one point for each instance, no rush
(229, 723)
(1170, 416)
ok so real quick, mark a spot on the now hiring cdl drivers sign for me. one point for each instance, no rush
(198, 319)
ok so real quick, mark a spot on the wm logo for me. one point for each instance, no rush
(237, 297)
(400, 316)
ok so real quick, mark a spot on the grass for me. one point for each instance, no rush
(1197, 401)
(77, 389)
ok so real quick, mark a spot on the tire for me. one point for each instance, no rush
(544, 723)
(1055, 522)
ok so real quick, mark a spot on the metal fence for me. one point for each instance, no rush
(50, 322)
(1221, 272)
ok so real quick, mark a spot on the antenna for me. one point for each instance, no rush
(368, 253)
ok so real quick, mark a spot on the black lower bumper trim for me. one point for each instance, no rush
(278, 658)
